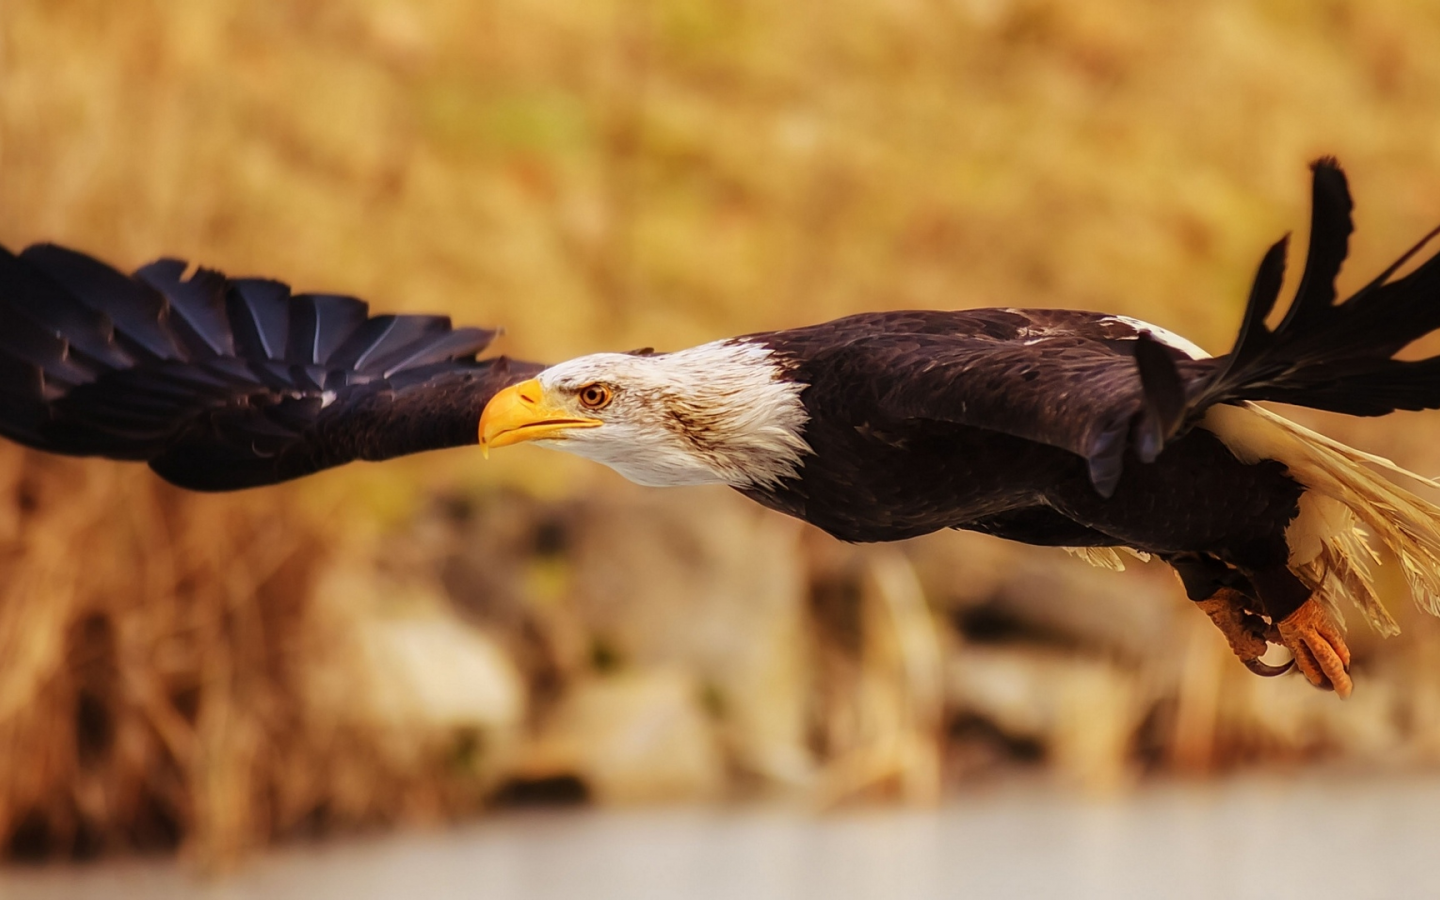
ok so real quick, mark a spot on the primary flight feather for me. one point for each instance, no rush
(1053, 427)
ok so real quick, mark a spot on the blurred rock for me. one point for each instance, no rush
(1287, 719)
(439, 676)
(634, 737)
(421, 675)
(1081, 712)
(878, 706)
(707, 582)
(998, 590)
(504, 558)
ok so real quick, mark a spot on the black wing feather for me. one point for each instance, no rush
(1330, 230)
(223, 384)
(195, 306)
(1163, 390)
(260, 318)
(1327, 355)
(135, 309)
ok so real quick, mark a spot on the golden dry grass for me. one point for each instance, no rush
(161, 657)
(602, 175)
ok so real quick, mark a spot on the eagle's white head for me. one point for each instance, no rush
(720, 413)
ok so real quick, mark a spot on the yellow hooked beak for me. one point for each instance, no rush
(520, 413)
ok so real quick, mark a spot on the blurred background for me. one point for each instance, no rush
(441, 636)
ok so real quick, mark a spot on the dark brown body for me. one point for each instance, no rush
(869, 484)
(883, 470)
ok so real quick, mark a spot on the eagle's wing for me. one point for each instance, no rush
(1091, 384)
(224, 383)
(1097, 385)
(1329, 355)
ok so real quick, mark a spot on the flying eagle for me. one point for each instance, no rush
(1074, 429)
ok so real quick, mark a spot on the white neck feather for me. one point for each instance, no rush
(719, 413)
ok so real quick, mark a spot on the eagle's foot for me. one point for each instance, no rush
(1243, 630)
(1313, 637)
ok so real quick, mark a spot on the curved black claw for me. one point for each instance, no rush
(1267, 671)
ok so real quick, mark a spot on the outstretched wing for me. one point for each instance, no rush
(1089, 383)
(1100, 385)
(221, 384)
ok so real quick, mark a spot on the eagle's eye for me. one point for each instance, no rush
(595, 396)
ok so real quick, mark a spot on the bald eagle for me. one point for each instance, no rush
(1082, 430)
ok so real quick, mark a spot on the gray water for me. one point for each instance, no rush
(1268, 839)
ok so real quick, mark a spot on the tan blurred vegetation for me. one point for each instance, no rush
(409, 641)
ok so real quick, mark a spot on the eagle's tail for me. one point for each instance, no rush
(1328, 355)
(1346, 511)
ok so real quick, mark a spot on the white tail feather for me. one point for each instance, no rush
(1329, 551)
